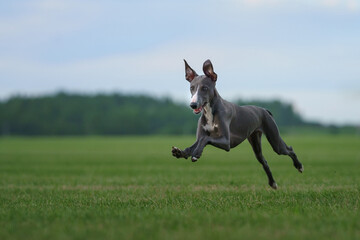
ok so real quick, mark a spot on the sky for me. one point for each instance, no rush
(306, 53)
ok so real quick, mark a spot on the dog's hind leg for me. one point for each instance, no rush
(279, 146)
(255, 141)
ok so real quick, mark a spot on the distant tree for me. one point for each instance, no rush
(74, 114)
(115, 114)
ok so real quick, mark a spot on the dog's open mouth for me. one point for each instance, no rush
(198, 110)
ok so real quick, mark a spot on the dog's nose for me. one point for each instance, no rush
(193, 105)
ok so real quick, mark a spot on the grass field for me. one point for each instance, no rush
(132, 188)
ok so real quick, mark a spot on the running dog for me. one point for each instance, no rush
(226, 125)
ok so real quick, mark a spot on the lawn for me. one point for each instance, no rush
(132, 188)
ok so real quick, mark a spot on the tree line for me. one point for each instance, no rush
(112, 114)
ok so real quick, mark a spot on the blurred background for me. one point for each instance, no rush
(116, 67)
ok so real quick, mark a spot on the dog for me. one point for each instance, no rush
(226, 125)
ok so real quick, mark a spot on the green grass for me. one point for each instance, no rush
(132, 188)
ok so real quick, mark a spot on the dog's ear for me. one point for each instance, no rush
(190, 74)
(209, 70)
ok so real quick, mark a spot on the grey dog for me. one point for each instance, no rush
(226, 125)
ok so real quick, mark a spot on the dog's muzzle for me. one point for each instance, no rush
(193, 105)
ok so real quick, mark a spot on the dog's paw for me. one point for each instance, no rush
(274, 185)
(299, 167)
(176, 152)
(194, 159)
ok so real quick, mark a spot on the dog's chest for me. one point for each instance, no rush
(209, 125)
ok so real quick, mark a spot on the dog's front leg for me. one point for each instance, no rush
(187, 152)
(222, 142)
(201, 143)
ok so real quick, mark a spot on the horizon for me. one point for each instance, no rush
(174, 100)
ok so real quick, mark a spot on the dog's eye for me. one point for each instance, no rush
(192, 88)
(204, 88)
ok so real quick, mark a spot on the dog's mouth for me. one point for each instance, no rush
(198, 110)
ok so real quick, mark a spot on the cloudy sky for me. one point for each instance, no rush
(304, 52)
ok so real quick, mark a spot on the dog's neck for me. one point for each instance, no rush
(210, 125)
(216, 98)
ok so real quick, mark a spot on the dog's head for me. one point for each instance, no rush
(202, 87)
